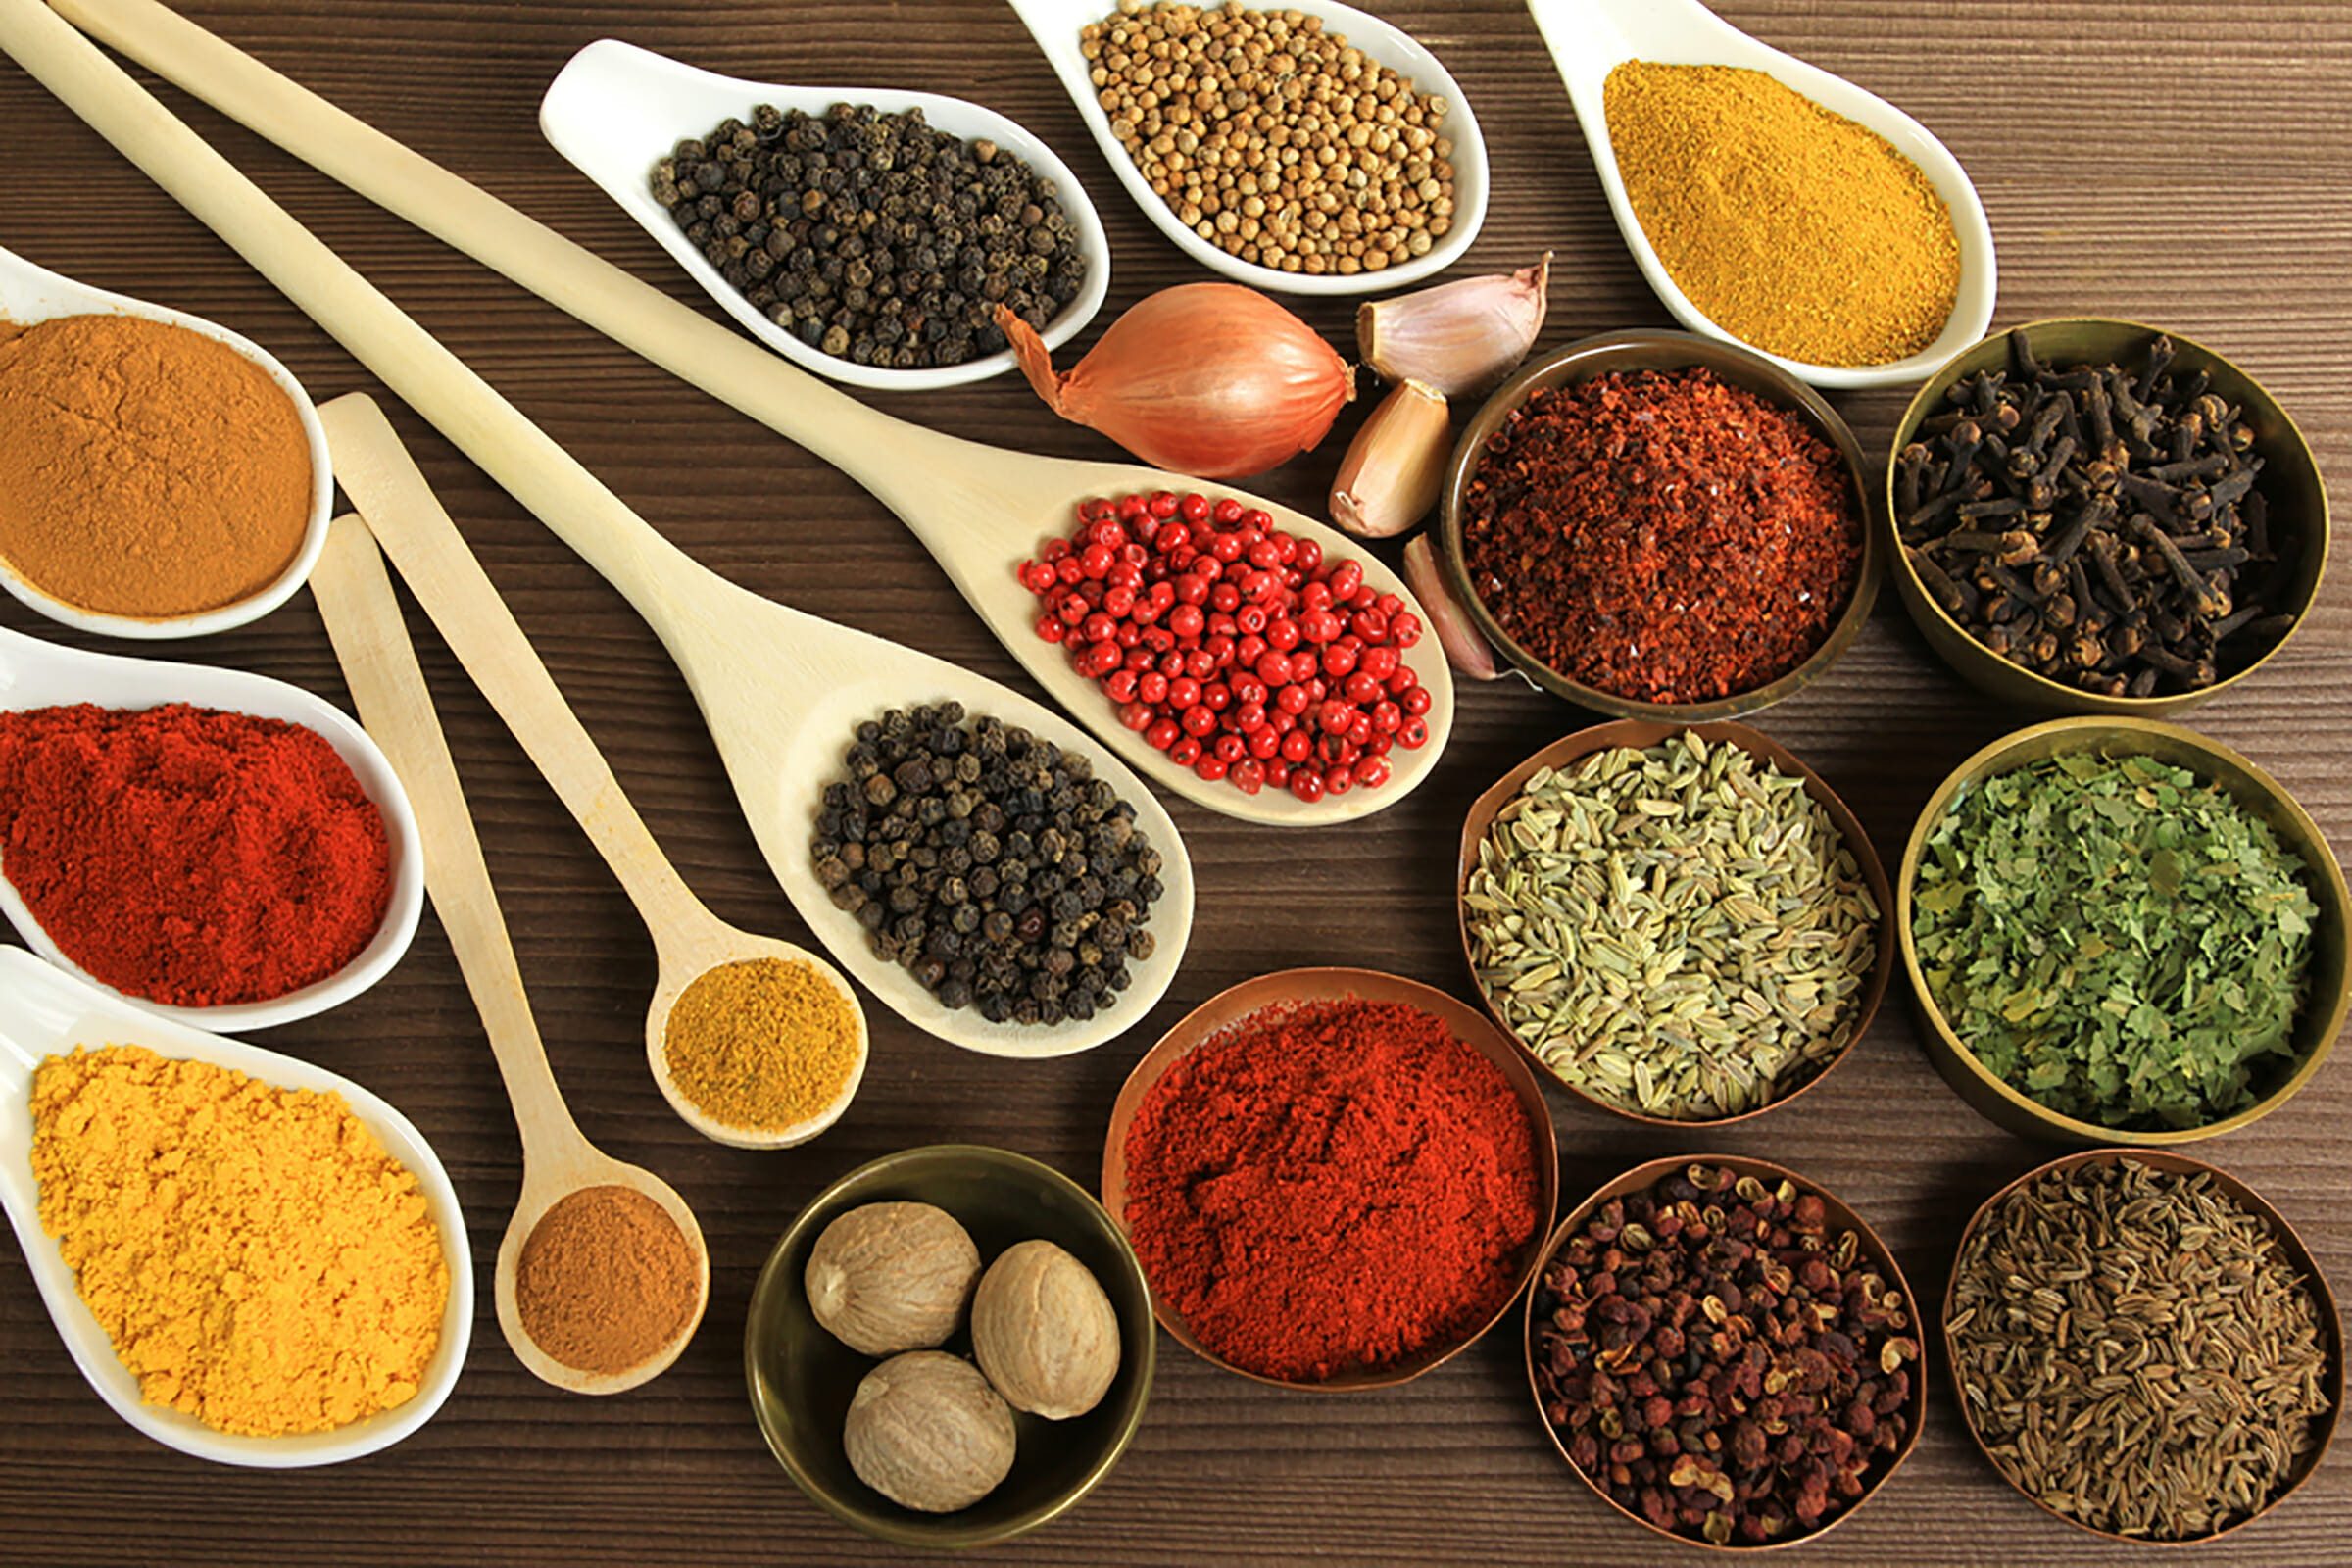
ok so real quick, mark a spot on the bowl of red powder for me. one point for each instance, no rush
(227, 850)
(1334, 1179)
(1653, 524)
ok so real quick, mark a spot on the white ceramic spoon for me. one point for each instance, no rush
(616, 108)
(781, 691)
(30, 295)
(1590, 38)
(977, 508)
(1056, 24)
(38, 674)
(45, 1012)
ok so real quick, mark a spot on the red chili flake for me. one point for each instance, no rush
(1662, 535)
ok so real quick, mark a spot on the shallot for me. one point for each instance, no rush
(1211, 380)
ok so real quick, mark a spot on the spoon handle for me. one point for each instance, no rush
(524, 460)
(411, 525)
(904, 466)
(379, 664)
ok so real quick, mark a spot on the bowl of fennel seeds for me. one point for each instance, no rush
(1683, 924)
(2142, 1345)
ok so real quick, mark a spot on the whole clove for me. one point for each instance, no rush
(1720, 1361)
(2099, 525)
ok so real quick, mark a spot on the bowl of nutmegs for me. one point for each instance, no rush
(950, 1345)
(2098, 517)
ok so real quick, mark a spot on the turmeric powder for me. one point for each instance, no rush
(763, 1043)
(258, 1259)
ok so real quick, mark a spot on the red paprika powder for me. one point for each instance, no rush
(1662, 535)
(1331, 1187)
(189, 856)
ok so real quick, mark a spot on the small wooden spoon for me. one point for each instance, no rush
(363, 619)
(381, 479)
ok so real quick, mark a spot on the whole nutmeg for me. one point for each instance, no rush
(1045, 1333)
(891, 1277)
(927, 1432)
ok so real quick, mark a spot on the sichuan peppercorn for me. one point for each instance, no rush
(871, 237)
(989, 863)
(1662, 535)
(1721, 1363)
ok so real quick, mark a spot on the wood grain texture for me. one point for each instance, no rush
(2188, 164)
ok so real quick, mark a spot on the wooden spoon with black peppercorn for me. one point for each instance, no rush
(979, 510)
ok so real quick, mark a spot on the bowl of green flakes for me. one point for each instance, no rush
(2121, 932)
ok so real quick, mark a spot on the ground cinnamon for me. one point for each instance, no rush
(606, 1280)
(145, 470)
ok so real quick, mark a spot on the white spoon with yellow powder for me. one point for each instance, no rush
(45, 1012)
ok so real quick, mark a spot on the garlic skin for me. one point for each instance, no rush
(1458, 337)
(1395, 467)
(1465, 650)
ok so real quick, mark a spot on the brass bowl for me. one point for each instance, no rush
(2331, 1326)
(1649, 349)
(1288, 986)
(802, 1376)
(2291, 480)
(2324, 1008)
(1641, 734)
(1841, 1217)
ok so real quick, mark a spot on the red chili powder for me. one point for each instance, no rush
(1661, 535)
(1331, 1187)
(189, 856)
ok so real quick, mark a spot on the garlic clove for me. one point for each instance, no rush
(1466, 648)
(1394, 467)
(1458, 337)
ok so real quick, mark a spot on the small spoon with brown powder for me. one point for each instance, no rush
(603, 1275)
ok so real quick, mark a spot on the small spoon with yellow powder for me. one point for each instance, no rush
(756, 1041)
(575, 1324)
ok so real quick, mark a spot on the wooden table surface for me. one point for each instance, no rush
(2176, 163)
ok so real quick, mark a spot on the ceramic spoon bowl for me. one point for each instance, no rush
(30, 295)
(44, 1013)
(38, 674)
(1590, 38)
(1055, 26)
(615, 109)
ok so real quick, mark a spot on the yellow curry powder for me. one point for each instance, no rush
(1793, 229)
(763, 1043)
(258, 1259)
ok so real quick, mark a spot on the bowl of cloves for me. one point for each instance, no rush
(1725, 1352)
(2099, 517)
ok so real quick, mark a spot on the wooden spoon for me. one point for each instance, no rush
(977, 508)
(401, 511)
(354, 598)
(781, 691)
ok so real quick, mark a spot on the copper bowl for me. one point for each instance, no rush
(2330, 974)
(1642, 734)
(2291, 480)
(2331, 1326)
(1649, 348)
(1841, 1218)
(1289, 986)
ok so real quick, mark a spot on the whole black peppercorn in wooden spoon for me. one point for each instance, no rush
(781, 691)
(979, 510)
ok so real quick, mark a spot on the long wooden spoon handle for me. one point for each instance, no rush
(882, 454)
(380, 663)
(489, 429)
(390, 492)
